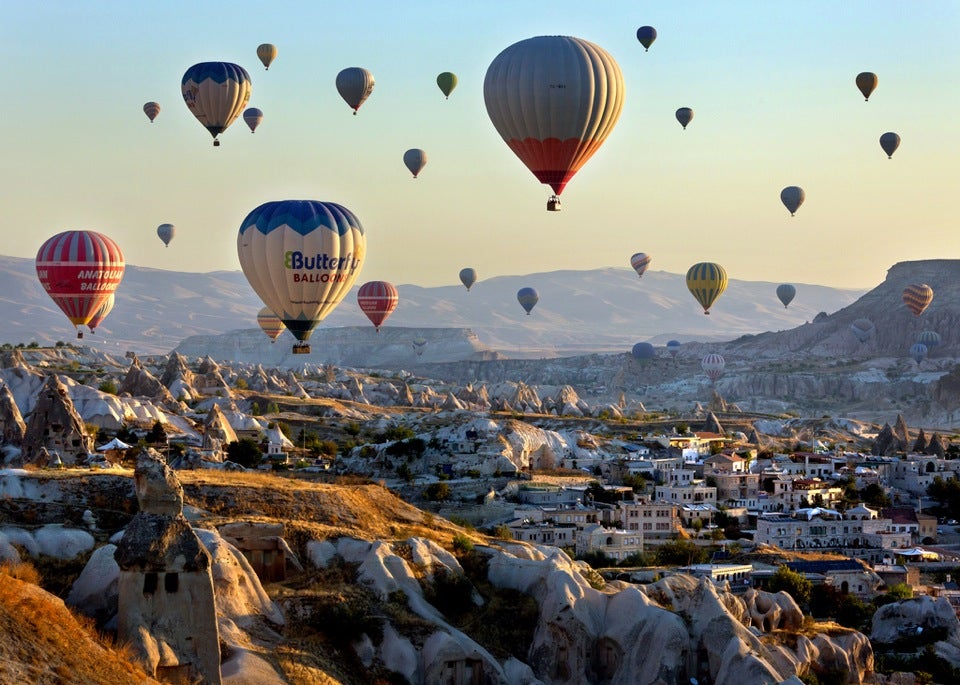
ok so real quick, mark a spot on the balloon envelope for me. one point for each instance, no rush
(151, 109)
(643, 351)
(447, 81)
(706, 281)
(252, 117)
(929, 338)
(673, 347)
(786, 293)
(468, 277)
(301, 257)
(713, 365)
(867, 83)
(418, 345)
(528, 298)
(270, 323)
(640, 262)
(792, 197)
(889, 142)
(554, 100)
(80, 270)
(377, 299)
(646, 35)
(355, 85)
(918, 351)
(166, 232)
(415, 159)
(917, 297)
(684, 116)
(216, 93)
(267, 53)
(101, 313)
(863, 329)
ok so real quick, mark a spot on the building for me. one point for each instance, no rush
(656, 520)
(615, 544)
(738, 575)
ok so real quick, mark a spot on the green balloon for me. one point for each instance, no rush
(447, 82)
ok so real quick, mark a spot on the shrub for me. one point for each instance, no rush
(451, 593)
(437, 492)
(462, 544)
(791, 582)
(245, 452)
(108, 386)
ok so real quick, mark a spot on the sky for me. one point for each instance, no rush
(771, 85)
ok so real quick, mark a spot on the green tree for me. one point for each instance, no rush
(157, 434)
(680, 552)
(875, 496)
(245, 451)
(437, 492)
(108, 386)
(791, 582)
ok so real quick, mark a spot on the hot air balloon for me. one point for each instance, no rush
(151, 109)
(889, 142)
(554, 100)
(267, 53)
(673, 347)
(166, 232)
(929, 338)
(101, 313)
(706, 281)
(528, 298)
(447, 81)
(468, 277)
(863, 329)
(713, 365)
(418, 345)
(377, 299)
(355, 85)
(252, 116)
(640, 262)
(80, 270)
(646, 35)
(216, 93)
(792, 197)
(684, 116)
(301, 257)
(786, 293)
(918, 351)
(415, 159)
(643, 352)
(270, 323)
(918, 297)
(867, 82)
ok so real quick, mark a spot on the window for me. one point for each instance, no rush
(171, 581)
(149, 583)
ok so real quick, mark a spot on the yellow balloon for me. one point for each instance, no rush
(706, 282)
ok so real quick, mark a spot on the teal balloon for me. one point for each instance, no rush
(786, 293)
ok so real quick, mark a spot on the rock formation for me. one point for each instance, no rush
(935, 446)
(885, 443)
(167, 613)
(141, 383)
(713, 424)
(55, 425)
(12, 426)
(217, 431)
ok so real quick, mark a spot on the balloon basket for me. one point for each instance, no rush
(553, 204)
(301, 348)
(79, 335)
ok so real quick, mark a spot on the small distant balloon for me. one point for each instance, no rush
(863, 329)
(267, 53)
(378, 299)
(640, 262)
(646, 35)
(151, 109)
(447, 81)
(468, 277)
(643, 352)
(166, 233)
(786, 293)
(792, 197)
(889, 142)
(419, 344)
(528, 298)
(929, 338)
(355, 85)
(867, 83)
(673, 347)
(918, 351)
(415, 159)
(270, 324)
(252, 116)
(917, 297)
(684, 116)
(706, 281)
(101, 313)
(713, 365)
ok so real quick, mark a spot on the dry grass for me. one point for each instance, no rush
(44, 643)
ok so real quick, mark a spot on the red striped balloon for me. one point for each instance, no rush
(918, 297)
(378, 299)
(80, 270)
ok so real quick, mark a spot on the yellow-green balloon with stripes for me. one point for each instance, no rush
(706, 282)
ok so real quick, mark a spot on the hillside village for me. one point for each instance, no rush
(712, 493)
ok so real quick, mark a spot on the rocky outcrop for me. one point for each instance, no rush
(912, 617)
(54, 425)
(141, 383)
(885, 443)
(713, 424)
(12, 426)
(935, 446)
(217, 431)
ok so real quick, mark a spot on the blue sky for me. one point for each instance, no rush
(771, 85)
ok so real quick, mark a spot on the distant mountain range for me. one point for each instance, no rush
(599, 310)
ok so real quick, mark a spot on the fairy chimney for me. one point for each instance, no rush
(12, 427)
(217, 431)
(167, 610)
(55, 424)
